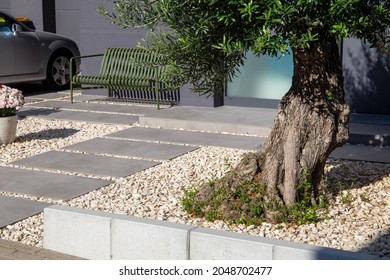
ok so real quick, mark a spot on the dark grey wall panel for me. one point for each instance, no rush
(367, 78)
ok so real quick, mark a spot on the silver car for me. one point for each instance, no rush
(27, 55)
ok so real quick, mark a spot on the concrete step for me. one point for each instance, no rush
(369, 134)
(362, 153)
(239, 120)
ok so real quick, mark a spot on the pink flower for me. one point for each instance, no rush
(11, 100)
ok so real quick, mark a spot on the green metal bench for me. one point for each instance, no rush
(125, 69)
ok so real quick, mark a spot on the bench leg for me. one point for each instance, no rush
(71, 92)
(157, 95)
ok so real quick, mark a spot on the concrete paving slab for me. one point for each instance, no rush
(13, 209)
(87, 97)
(78, 116)
(28, 100)
(153, 151)
(255, 121)
(363, 153)
(44, 184)
(85, 163)
(121, 108)
(44, 96)
(190, 137)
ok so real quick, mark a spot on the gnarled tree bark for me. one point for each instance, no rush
(312, 120)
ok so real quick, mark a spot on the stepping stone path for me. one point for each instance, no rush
(45, 184)
(132, 150)
(192, 138)
(86, 164)
(116, 155)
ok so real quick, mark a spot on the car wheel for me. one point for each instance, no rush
(58, 72)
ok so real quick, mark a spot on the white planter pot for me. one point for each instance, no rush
(8, 129)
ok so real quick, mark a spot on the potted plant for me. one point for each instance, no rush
(11, 100)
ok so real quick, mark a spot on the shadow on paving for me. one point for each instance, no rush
(29, 112)
(31, 89)
(48, 134)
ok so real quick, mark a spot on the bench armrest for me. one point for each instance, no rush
(71, 70)
(79, 57)
(85, 56)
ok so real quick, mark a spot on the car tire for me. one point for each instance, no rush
(58, 72)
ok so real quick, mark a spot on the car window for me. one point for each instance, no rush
(5, 26)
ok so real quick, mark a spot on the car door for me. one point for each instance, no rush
(19, 51)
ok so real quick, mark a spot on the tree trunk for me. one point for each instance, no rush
(312, 121)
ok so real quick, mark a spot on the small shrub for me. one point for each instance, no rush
(304, 211)
(245, 203)
(242, 204)
(346, 194)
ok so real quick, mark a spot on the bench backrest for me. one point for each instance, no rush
(131, 63)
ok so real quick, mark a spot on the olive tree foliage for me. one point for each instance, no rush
(205, 42)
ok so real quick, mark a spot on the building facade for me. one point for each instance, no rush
(261, 82)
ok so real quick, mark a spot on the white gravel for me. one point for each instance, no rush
(359, 216)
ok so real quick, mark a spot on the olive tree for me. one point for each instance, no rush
(205, 42)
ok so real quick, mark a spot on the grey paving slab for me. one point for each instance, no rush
(44, 184)
(48, 95)
(92, 117)
(363, 153)
(190, 137)
(97, 107)
(257, 121)
(86, 163)
(154, 151)
(29, 100)
(14, 209)
(87, 97)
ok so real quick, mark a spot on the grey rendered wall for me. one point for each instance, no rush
(24, 8)
(80, 21)
(5, 5)
(68, 19)
(367, 78)
(28, 8)
(97, 34)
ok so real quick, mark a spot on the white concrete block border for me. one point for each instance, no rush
(103, 236)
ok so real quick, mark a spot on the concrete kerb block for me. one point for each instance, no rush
(99, 235)
(77, 232)
(300, 251)
(221, 245)
(145, 239)
(210, 244)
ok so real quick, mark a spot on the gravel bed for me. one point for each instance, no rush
(358, 217)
